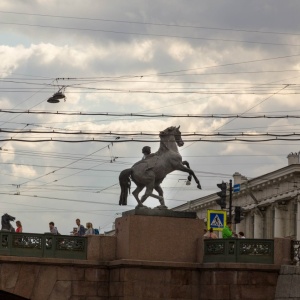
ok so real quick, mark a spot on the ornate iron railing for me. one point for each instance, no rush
(42, 245)
(295, 252)
(239, 250)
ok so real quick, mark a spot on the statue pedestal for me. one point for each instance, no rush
(142, 236)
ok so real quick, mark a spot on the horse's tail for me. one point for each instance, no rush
(125, 184)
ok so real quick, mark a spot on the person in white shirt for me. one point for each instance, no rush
(52, 228)
(90, 229)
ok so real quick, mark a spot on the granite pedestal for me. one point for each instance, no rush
(155, 235)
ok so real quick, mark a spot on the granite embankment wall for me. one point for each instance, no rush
(288, 284)
(61, 279)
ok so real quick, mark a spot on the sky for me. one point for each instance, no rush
(214, 68)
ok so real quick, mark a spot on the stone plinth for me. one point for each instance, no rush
(282, 251)
(160, 213)
(101, 248)
(158, 238)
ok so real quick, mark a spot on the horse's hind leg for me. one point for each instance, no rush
(135, 193)
(160, 196)
(148, 192)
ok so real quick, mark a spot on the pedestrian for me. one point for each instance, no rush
(227, 231)
(19, 227)
(90, 229)
(210, 234)
(74, 232)
(241, 235)
(80, 228)
(53, 229)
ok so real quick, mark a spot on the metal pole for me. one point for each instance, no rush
(230, 200)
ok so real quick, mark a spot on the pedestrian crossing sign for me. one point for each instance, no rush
(216, 219)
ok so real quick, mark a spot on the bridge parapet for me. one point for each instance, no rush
(239, 250)
(42, 245)
(266, 251)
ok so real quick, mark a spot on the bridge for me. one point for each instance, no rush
(150, 257)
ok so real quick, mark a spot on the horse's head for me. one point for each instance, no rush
(178, 138)
(6, 217)
(174, 131)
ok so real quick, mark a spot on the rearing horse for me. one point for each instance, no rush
(151, 171)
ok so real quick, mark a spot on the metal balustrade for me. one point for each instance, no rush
(295, 252)
(239, 250)
(42, 245)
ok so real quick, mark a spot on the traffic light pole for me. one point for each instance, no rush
(230, 200)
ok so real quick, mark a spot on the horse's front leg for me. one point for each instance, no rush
(185, 163)
(181, 167)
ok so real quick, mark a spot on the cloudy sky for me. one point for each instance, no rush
(179, 58)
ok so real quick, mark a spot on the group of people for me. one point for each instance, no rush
(80, 230)
(226, 233)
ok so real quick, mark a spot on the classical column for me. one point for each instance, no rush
(280, 219)
(241, 227)
(269, 222)
(298, 219)
(292, 222)
(258, 224)
(249, 225)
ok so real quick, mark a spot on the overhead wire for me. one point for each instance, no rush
(150, 115)
(152, 23)
(148, 34)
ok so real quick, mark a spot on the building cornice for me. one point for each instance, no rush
(261, 182)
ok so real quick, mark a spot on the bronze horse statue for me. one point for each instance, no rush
(5, 222)
(151, 172)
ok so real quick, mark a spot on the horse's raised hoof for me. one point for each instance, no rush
(189, 178)
(199, 186)
(161, 207)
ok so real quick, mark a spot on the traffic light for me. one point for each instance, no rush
(222, 194)
(237, 214)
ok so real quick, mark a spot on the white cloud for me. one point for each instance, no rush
(24, 171)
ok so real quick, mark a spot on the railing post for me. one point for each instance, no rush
(230, 200)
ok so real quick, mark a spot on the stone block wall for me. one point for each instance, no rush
(288, 285)
(139, 280)
(238, 283)
(134, 283)
(59, 281)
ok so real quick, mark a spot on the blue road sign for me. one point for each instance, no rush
(236, 188)
(216, 219)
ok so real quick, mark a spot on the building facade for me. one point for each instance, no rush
(270, 203)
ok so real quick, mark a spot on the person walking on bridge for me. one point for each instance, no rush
(227, 231)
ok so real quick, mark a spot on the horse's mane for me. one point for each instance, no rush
(167, 130)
